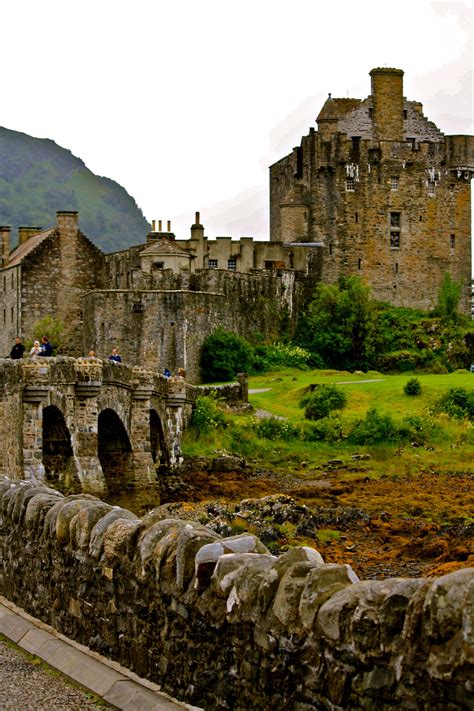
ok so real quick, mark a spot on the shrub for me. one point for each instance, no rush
(50, 327)
(448, 298)
(373, 428)
(206, 415)
(458, 403)
(327, 429)
(225, 354)
(412, 387)
(322, 401)
(281, 355)
(273, 428)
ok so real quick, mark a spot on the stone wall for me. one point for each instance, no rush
(224, 624)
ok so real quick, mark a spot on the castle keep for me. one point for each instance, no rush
(377, 190)
(384, 192)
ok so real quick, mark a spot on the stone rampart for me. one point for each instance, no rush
(222, 623)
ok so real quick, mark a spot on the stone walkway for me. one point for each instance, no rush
(26, 686)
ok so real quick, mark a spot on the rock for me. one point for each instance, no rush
(321, 584)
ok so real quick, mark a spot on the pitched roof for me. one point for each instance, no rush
(23, 250)
(165, 246)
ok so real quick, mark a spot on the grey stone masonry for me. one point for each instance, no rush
(222, 623)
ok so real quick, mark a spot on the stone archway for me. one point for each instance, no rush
(159, 451)
(57, 453)
(115, 453)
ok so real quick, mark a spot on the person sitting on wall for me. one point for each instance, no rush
(115, 356)
(36, 350)
(92, 354)
(18, 349)
(46, 348)
(181, 372)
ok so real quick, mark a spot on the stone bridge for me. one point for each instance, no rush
(89, 424)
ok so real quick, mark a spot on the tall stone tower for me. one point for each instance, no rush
(384, 191)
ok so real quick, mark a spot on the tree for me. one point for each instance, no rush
(448, 298)
(322, 401)
(225, 354)
(338, 327)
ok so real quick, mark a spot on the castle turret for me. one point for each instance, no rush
(387, 96)
(5, 245)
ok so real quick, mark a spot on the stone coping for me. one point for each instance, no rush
(111, 681)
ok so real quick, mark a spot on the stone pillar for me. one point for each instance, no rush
(243, 379)
(387, 96)
(144, 466)
(34, 397)
(5, 231)
(84, 439)
(178, 411)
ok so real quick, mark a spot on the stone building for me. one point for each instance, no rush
(384, 192)
(377, 191)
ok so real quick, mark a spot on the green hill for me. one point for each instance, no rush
(38, 177)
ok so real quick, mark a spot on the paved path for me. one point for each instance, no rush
(24, 686)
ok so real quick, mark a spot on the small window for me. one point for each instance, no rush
(232, 264)
(350, 185)
(138, 307)
(356, 217)
(431, 188)
(396, 268)
(452, 244)
(158, 265)
(359, 263)
(213, 264)
(330, 248)
(268, 264)
(394, 239)
(4, 316)
(12, 315)
(394, 182)
(404, 114)
(394, 219)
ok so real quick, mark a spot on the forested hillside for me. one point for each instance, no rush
(38, 177)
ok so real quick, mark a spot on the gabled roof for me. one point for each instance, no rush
(23, 250)
(164, 247)
(334, 109)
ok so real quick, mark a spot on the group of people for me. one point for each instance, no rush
(45, 349)
(39, 350)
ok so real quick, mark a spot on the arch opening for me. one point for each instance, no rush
(158, 447)
(57, 453)
(115, 453)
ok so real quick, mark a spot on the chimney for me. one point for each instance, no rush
(24, 233)
(168, 229)
(160, 222)
(67, 221)
(197, 230)
(5, 245)
(153, 225)
(387, 97)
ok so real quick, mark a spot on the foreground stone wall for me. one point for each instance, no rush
(222, 623)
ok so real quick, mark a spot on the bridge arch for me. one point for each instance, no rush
(57, 451)
(115, 453)
(158, 448)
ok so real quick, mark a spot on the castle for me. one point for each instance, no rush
(377, 191)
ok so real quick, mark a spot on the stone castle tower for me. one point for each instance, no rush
(384, 192)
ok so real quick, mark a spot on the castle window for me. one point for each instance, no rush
(158, 265)
(213, 264)
(350, 185)
(405, 114)
(452, 244)
(359, 263)
(356, 217)
(330, 249)
(4, 316)
(431, 188)
(268, 264)
(395, 219)
(411, 140)
(394, 182)
(396, 268)
(394, 239)
(138, 307)
(395, 222)
(12, 315)
(232, 264)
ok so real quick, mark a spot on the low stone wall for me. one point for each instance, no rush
(230, 393)
(224, 624)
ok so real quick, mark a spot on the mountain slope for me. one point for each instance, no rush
(38, 177)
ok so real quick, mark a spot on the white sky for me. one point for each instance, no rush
(187, 102)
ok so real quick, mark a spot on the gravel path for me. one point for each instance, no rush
(26, 685)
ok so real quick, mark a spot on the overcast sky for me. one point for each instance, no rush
(187, 102)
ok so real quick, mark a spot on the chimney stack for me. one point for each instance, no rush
(160, 222)
(197, 230)
(67, 221)
(5, 245)
(168, 229)
(24, 233)
(387, 97)
(153, 225)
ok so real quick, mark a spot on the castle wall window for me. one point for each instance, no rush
(394, 239)
(12, 315)
(452, 244)
(395, 222)
(356, 217)
(213, 264)
(359, 263)
(350, 185)
(394, 182)
(158, 265)
(232, 264)
(431, 188)
(395, 219)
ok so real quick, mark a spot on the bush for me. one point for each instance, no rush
(322, 401)
(225, 354)
(327, 429)
(281, 355)
(50, 327)
(206, 415)
(412, 387)
(374, 428)
(458, 403)
(273, 428)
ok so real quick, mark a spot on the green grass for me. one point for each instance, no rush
(449, 444)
